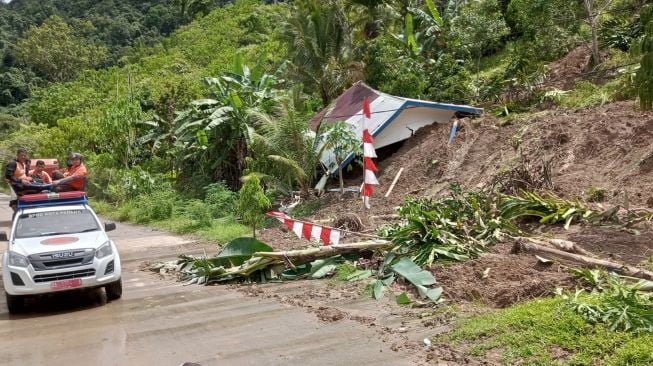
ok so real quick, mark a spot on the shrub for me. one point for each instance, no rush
(391, 71)
(449, 81)
(585, 95)
(597, 194)
(197, 211)
(220, 200)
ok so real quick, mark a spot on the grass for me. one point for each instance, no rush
(220, 231)
(547, 332)
(306, 208)
(343, 271)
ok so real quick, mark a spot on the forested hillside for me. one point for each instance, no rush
(158, 107)
(42, 41)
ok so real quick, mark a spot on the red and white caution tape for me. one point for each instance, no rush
(308, 231)
(369, 153)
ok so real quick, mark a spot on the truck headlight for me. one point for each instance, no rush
(104, 250)
(17, 260)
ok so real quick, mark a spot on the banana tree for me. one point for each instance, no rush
(319, 45)
(224, 123)
(285, 150)
(421, 29)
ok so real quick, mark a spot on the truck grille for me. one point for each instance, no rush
(64, 275)
(63, 259)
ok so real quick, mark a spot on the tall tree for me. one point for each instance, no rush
(645, 72)
(594, 9)
(319, 44)
(56, 51)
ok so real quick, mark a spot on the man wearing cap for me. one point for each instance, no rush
(73, 178)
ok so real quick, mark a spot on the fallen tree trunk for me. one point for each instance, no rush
(327, 251)
(261, 260)
(523, 246)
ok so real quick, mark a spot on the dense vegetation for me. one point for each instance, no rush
(40, 37)
(169, 110)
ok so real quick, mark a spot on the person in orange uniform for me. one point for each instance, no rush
(16, 175)
(39, 175)
(73, 178)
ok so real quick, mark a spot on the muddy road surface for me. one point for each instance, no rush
(160, 322)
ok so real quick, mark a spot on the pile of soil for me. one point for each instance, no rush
(563, 73)
(607, 147)
(501, 279)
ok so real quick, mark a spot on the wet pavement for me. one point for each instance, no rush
(161, 322)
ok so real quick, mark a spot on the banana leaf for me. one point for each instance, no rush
(237, 251)
(407, 269)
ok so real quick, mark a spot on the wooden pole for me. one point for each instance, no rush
(523, 246)
(394, 181)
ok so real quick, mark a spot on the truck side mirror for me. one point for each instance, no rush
(108, 226)
(3, 236)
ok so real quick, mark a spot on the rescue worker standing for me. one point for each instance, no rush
(16, 175)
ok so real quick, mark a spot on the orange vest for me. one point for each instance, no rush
(79, 172)
(20, 171)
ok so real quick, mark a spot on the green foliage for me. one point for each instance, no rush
(285, 149)
(535, 332)
(620, 33)
(342, 140)
(597, 194)
(479, 28)
(16, 84)
(121, 185)
(344, 270)
(221, 201)
(156, 206)
(197, 211)
(455, 228)
(319, 46)
(547, 28)
(239, 250)
(222, 231)
(252, 202)
(390, 70)
(549, 210)
(60, 101)
(58, 52)
(584, 95)
(619, 305)
(117, 131)
(218, 131)
(448, 80)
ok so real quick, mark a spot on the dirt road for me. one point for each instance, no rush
(160, 322)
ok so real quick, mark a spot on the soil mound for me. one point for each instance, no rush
(608, 148)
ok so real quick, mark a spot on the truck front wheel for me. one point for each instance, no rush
(15, 304)
(114, 290)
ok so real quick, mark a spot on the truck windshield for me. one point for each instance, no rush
(55, 223)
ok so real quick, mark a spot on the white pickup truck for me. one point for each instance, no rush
(57, 243)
